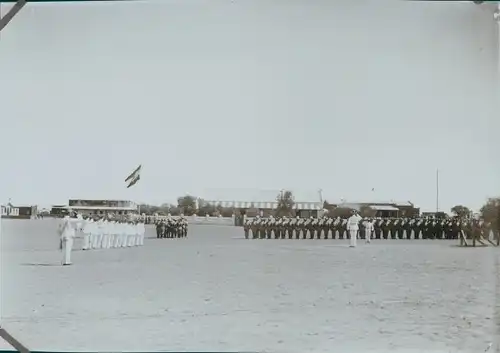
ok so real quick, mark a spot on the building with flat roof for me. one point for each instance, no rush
(97, 207)
(266, 208)
(21, 212)
(387, 209)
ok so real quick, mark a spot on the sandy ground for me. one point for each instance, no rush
(216, 291)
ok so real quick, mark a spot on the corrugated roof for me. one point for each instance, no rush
(383, 208)
(265, 205)
(101, 208)
(256, 195)
(349, 202)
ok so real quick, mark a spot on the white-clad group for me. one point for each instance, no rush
(107, 234)
(99, 233)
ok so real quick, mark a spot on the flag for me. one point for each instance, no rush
(134, 177)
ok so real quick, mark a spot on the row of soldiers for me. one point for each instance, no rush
(98, 233)
(172, 227)
(103, 233)
(383, 228)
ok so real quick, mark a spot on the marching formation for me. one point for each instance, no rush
(172, 227)
(99, 233)
(368, 228)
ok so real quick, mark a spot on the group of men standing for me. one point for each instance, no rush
(171, 227)
(99, 233)
(367, 228)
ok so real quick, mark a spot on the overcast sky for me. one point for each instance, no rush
(346, 96)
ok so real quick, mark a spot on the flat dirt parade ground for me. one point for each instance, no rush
(216, 291)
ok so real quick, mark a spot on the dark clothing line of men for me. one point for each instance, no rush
(387, 228)
(172, 228)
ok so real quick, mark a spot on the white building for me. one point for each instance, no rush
(263, 202)
(9, 210)
(102, 207)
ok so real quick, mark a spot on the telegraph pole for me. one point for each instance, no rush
(437, 190)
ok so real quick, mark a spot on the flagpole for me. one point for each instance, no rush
(437, 190)
(13, 11)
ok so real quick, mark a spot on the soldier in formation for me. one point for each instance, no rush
(368, 228)
(171, 227)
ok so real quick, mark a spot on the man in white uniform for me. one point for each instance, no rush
(137, 233)
(130, 233)
(121, 234)
(68, 233)
(369, 227)
(87, 231)
(353, 227)
(118, 233)
(99, 231)
(125, 232)
(92, 234)
(112, 234)
(142, 232)
(104, 233)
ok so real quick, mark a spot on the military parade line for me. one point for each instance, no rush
(109, 232)
(99, 233)
(367, 228)
(171, 227)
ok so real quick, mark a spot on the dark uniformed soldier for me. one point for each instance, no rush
(316, 229)
(255, 228)
(262, 228)
(310, 227)
(343, 228)
(377, 228)
(384, 229)
(406, 226)
(361, 231)
(158, 230)
(476, 231)
(270, 227)
(246, 227)
(327, 227)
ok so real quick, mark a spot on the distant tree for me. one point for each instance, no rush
(218, 209)
(226, 212)
(187, 205)
(174, 211)
(490, 212)
(148, 209)
(342, 212)
(461, 211)
(285, 204)
(328, 206)
(206, 209)
(367, 211)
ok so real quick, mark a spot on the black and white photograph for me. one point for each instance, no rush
(272, 176)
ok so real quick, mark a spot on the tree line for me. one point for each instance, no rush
(187, 205)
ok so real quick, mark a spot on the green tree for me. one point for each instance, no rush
(226, 212)
(367, 211)
(205, 209)
(148, 209)
(187, 205)
(491, 210)
(461, 211)
(342, 212)
(285, 203)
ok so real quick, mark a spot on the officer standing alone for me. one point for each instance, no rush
(353, 227)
